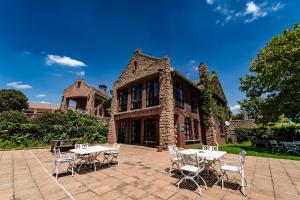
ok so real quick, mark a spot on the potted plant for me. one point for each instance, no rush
(160, 148)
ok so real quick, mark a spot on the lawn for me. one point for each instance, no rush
(255, 151)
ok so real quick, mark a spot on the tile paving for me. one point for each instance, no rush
(141, 174)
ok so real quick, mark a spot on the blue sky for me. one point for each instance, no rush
(46, 45)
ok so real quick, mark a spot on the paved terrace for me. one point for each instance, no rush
(24, 174)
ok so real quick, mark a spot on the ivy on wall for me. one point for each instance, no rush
(213, 100)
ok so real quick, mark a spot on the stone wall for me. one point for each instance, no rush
(166, 117)
(239, 124)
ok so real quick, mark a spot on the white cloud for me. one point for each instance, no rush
(249, 13)
(277, 6)
(40, 95)
(235, 109)
(255, 11)
(18, 85)
(80, 73)
(45, 102)
(64, 60)
(210, 2)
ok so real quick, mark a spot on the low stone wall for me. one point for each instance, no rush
(239, 124)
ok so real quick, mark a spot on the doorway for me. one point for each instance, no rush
(150, 130)
(135, 132)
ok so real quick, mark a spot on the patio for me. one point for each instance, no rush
(142, 174)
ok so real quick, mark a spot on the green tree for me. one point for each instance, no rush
(252, 107)
(238, 116)
(11, 99)
(275, 78)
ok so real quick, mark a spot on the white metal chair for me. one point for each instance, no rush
(275, 146)
(237, 168)
(190, 172)
(205, 147)
(112, 154)
(174, 158)
(59, 159)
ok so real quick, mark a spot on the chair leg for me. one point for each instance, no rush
(56, 172)
(205, 185)
(197, 186)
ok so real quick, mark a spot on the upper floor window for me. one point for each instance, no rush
(136, 97)
(123, 100)
(194, 103)
(178, 95)
(152, 87)
(188, 129)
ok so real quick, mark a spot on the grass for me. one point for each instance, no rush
(255, 151)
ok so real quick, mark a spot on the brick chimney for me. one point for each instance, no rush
(102, 87)
(203, 71)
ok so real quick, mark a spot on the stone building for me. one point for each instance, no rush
(153, 104)
(36, 108)
(86, 99)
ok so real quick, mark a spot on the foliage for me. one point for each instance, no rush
(254, 151)
(283, 132)
(238, 116)
(206, 97)
(252, 107)
(13, 116)
(275, 76)
(11, 99)
(45, 127)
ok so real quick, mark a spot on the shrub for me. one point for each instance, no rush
(283, 132)
(45, 127)
(13, 116)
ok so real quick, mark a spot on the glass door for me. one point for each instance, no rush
(150, 130)
(121, 132)
(136, 132)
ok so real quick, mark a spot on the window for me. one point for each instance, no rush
(178, 94)
(196, 133)
(188, 128)
(194, 103)
(123, 100)
(136, 97)
(152, 87)
(78, 84)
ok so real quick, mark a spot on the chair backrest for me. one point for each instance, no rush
(116, 146)
(78, 146)
(200, 162)
(56, 152)
(205, 147)
(214, 148)
(273, 143)
(173, 151)
(241, 159)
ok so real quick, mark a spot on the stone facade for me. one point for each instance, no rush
(88, 100)
(171, 121)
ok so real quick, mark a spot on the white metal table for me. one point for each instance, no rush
(211, 157)
(89, 155)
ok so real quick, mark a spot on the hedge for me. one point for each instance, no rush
(283, 132)
(43, 128)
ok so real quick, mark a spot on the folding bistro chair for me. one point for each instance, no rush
(237, 168)
(190, 172)
(175, 161)
(110, 155)
(59, 159)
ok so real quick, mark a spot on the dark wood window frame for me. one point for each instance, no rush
(152, 92)
(123, 100)
(136, 97)
(178, 94)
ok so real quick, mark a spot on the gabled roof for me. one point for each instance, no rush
(97, 91)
